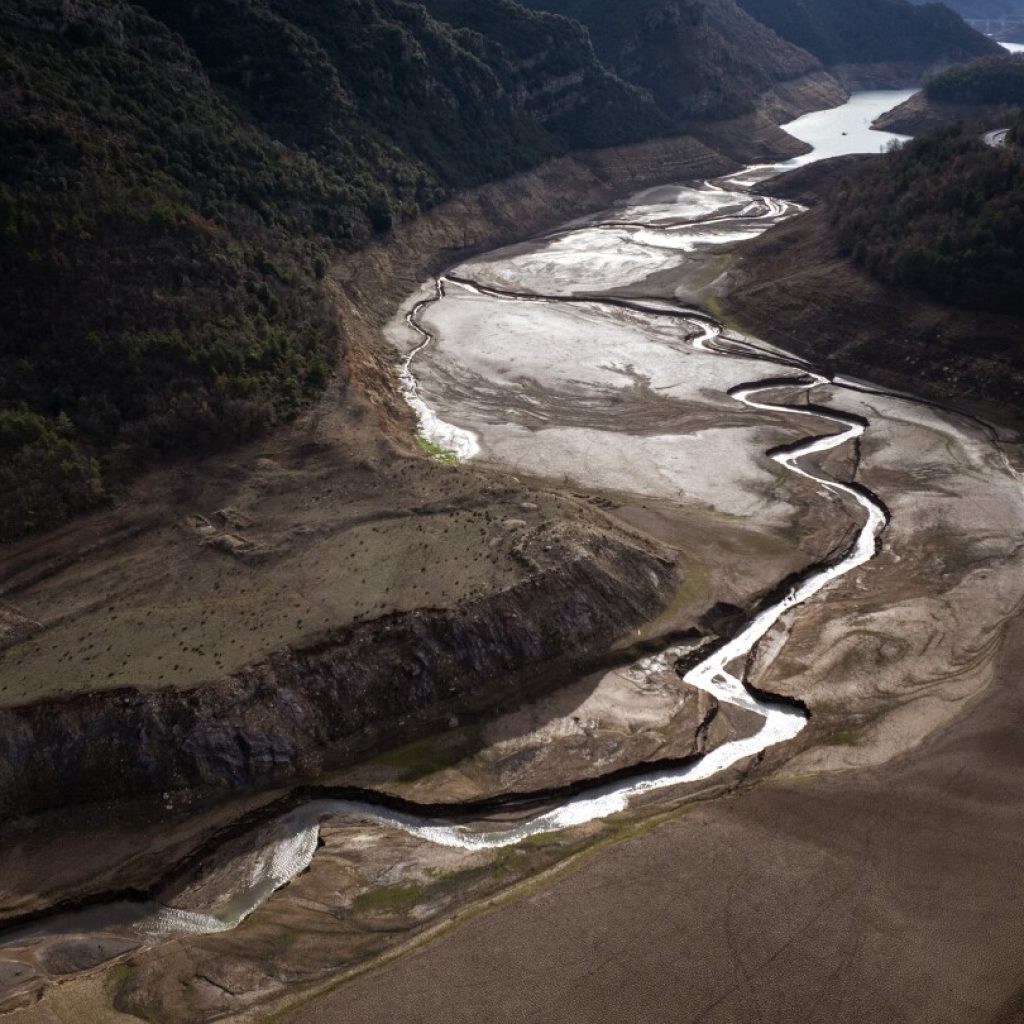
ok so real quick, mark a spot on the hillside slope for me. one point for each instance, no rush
(174, 181)
(872, 31)
(988, 80)
(907, 272)
(943, 216)
(698, 58)
(986, 92)
(985, 9)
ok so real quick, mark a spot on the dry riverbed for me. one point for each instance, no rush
(573, 364)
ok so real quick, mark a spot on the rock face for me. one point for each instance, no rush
(817, 90)
(308, 709)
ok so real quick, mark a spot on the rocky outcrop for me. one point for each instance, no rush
(818, 90)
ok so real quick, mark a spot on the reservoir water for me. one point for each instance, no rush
(846, 129)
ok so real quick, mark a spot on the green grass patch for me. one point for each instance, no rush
(117, 977)
(848, 737)
(391, 899)
(696, 586)
(435, 451)
(695, 591)
(433, 754)
(716, 267)
(510, 861)
(713, 305)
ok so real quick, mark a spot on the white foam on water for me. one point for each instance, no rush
(273, 867)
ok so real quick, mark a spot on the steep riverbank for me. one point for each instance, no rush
(315, 707)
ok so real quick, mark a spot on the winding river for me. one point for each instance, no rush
(653, 233)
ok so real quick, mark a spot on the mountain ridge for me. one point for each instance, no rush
(872, 31)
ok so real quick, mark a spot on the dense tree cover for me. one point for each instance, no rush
(548, 63)
(997, 79)
(1016, 137)
(174, 179)
(698, 58)
(866, 31)
(943, 215)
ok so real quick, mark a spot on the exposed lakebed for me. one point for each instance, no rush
(577, 358)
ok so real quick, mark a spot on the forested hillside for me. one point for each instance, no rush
(989, 80)
(869, 31)
(943, 215)
(174, 179)
(699, 58)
